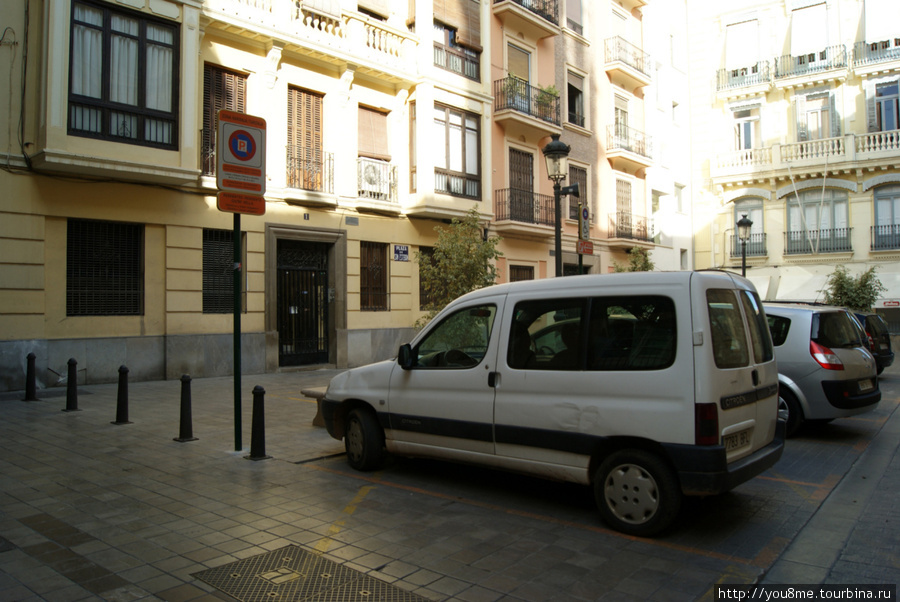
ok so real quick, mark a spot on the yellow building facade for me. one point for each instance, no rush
(384, 120)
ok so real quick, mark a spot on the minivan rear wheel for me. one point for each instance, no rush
(636, 492)
(789, 411)
(364, 440)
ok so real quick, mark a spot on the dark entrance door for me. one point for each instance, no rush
(302, 303)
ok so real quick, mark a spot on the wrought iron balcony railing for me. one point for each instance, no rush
(833, 57)
(457, 61)
(622, 137)
(753, 75)
(517, 94)
(310, 169)
(867, 53)
(756, 245)
(886, 237)
(523, 206)
(829, 240)
(376, 180)
(624, 224)
(619, 49)
(546, 9)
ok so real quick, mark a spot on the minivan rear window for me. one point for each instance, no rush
(835, 329)
(729, 339)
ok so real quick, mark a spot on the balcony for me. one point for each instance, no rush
(459, 61)
(535, 19)
(376, 183)
(745, 81)
(871, 58)
(628, 149)
(829, 64)
(523, 109)
(310, 170)
(756, 245)
(811, 242)
(627, 65)
(523, 212)
(627, 230)
(875, 150)
(885, 238)
(377, 49)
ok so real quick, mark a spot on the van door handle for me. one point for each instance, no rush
(492, 379)
(755, 377)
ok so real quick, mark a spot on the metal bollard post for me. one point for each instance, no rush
(258, 429)
(72, 387)
(30, 380)
(122, 399)
(185, 430)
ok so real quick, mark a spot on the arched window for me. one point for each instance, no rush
(817, 222)
(886, 231)
(752, 207)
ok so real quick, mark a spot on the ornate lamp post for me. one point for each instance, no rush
(556, 154)
(743, 229)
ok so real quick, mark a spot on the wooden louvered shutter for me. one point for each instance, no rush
(871, 115)
(835, 116)
(465, 17)
(305, 155)
(373, 135)
(221, 90)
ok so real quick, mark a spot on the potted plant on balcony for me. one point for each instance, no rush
(545, 97)
(515, 92)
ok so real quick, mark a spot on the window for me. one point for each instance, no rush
(817, 117)
(518, 62)
(573, 16)
(123, 79)
(577, 175)
(221, 90)
(729, 340)
(218, 271)
(521, 272)
(886, 115)
(818, 222)
(373, 276)
(753, 209)
(886, 232)
(575, 99)
(450, 55)
(621, 118)
(746, 129)
(679, 198)
(459, 341)
(308, 166)
(104, 268)
(457, 153)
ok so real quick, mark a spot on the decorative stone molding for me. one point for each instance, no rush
(739, 193)
(816, 183)
(889, 178)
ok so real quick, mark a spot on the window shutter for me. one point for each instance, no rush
(800, 118)
(373, 135)
(465, 17)
(835, 116)
(871, 115)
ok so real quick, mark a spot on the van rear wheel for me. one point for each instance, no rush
(636, 492)
(364, 441)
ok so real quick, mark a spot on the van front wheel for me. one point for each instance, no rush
(364, 441)
(636, 492)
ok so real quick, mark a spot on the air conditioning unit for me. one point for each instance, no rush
(374, 179)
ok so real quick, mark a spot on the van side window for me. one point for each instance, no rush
(759, 331)
(459, 341)
(632, 333)
(728, 336)
(547, 335)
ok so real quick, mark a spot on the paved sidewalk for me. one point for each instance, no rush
(95, 511)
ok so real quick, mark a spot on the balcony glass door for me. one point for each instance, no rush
(521, 186)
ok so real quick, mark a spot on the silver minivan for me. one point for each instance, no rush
(646, 386)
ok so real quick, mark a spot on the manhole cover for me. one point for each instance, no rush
(295, 574)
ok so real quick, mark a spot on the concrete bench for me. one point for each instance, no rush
(316, 393)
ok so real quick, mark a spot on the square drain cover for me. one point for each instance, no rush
(295, 574)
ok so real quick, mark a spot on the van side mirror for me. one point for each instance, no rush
(405, 357)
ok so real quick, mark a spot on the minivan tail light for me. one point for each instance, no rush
(825, 357)
(706, 424)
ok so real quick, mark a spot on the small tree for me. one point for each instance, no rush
(638, 261)
(462, 261)
(858, 293)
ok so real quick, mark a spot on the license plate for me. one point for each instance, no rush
(883, 346)
(737, 440)
(866, 384)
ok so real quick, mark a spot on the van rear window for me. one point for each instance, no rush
(598, 333)
(727, 326)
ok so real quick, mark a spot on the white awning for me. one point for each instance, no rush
(882, 20)
(742, 44)
(809, 30)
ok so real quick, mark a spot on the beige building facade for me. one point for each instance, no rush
(384, 119)
(795, 125)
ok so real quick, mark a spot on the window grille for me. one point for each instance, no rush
(373, 277)
(104, 268)
(218, 272)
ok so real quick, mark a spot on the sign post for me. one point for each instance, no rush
(241, 180)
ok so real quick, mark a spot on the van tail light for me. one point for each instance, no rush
(706, 424)
(825, 357)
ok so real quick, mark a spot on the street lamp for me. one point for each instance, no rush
(556, 154)
(743, 229)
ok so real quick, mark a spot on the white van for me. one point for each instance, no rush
(645, 385)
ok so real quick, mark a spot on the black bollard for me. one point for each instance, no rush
(185, 430)
(122, 399)
(72, 387)
(258, 429)
(30, 378)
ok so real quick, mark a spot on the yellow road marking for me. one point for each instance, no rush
(338, 525)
